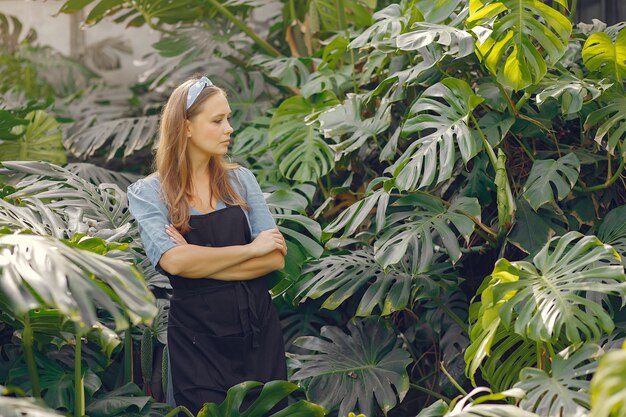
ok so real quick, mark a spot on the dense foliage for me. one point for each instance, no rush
(449, 176)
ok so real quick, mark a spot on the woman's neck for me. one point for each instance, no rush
(199, 168)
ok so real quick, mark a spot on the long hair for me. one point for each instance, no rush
(172, 162)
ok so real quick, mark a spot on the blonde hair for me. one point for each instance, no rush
(172, 162)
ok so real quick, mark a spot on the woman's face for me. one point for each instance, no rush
(209, 130)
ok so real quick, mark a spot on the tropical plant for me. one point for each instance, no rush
(416, 154)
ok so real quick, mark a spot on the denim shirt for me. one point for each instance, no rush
(147, 206)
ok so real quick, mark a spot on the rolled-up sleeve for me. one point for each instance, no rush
(150, 211)
(259, 214)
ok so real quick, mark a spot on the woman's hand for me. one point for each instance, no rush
(268, 241)
(175, 235)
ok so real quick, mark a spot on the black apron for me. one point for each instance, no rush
(221, 333)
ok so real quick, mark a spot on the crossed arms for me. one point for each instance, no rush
(229, 263)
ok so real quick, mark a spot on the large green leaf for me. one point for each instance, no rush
(130, 133)
(37, 218)
(343, 276)
(441, 116)
(551, 180)
(571, 92)
(327, 14)
(494, 348)
(548, 295)
(417, 229)
(271, 394)
(138, 11)
(389, 23)
(346, 119)
(456, 42)
(608, 386)
(532, 229)
(40, 271)
(57, 383)
(102, 206)
(564, 391)
(361, 368)
(601, 53)
(40, 139)
(472, 405)
(296, 140)
(612, 231)
(527, 37)
(98, 175)
(120, 401)
(351, 218)
(9, 120)
(611, 117)
(437, 11)
(25, 407)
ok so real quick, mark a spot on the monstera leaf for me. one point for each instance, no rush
(157, 11)
(441, 114)
(361, 368)
(437, 11)
(527, 37)
(297, 143)
(40, 139)
(40, 271)
(494, 348)
(564, 391)
(601, 53)
(545, 295)
(130, 133)
(98, 175)
(389, 23)
(547, 175)
(418, 228)
(456, 42)
(346, 119)
(608, 386)
(390, 290)
(532, 229)
(612, 119)
(26, 407)
(104, 205)
(612, 231)
(271, 394)
(571, 92)
(355, 215)
(37, 218)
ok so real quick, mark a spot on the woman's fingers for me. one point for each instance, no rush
(175, 235)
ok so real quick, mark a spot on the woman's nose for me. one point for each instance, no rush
(229, 128)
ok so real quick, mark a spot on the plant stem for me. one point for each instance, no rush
(456, 384)
(245, 29)
(572, 13)
(29, 355)
(524, 147)
(79, 380)
(522, 101)
(179, 409)
(128, 356)
(609, 181)
(509, 102)
(486, 144)
(341, 12)
(430, 392)
(452, 314)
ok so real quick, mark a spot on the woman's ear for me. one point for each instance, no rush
(187, 128)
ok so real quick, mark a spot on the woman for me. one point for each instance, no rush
(204, 224)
